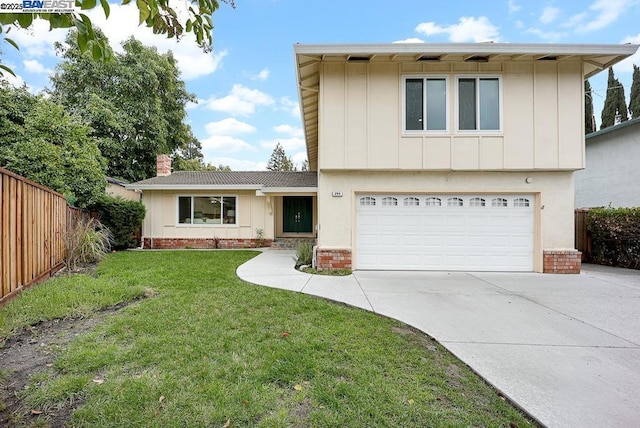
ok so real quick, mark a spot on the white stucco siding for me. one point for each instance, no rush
(253, 212)
(361, 119)
(612, 173)
(553, 193)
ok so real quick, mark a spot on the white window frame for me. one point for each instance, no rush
(447, 98)
(205, 224)
(456, 96)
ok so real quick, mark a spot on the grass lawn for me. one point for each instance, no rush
(209, 350)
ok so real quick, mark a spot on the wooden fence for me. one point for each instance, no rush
(33, 225)
(582, 235)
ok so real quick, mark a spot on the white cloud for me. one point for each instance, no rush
(626, 66)
(288, 144)
(298, 158)
(262, 76)
(193, 62)
(236, 164)
(37, 40)
(549, 14)
(225, 144)
(241, 101)
(291, 106)
(16, 81)
(229, 126)
(289, 130)
(468, 29)
(35, 66)
(606, 12)
(513, 6)
(410, 40)
(575, 20)
(550, 36)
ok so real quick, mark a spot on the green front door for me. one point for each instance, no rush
(297, 214)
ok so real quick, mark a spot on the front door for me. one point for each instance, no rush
(297, 214)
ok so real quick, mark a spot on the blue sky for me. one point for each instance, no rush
(246, 87)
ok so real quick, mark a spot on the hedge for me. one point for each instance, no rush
(615, 234)
(122, 217)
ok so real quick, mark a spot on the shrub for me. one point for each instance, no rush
(122, 217)
(615, 236)
(304, 252)
(259, 237)
(87, 241)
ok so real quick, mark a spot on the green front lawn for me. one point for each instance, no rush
(207, 349)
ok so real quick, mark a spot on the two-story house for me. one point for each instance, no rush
(422, 156)
(447, 156)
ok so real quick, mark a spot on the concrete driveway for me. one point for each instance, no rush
(566, 348)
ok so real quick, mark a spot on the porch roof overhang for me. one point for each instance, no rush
(594, 57)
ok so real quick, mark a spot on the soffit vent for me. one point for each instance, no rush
(477, 58)
(356, 58)
(428, 58)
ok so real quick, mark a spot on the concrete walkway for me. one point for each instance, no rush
(564, 347)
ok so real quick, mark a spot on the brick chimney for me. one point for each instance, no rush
(163, 165)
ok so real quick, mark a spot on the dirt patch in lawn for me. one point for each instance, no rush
(32, 352)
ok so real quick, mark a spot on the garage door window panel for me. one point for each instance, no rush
(433, 202)
(411, 202)
(455, 202)
(389, 202)
(367, 201)
(476, 202)
(499, 202)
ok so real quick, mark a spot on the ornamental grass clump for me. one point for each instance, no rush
(304, 253)
(87, 241)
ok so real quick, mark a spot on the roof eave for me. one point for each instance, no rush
(476, 48)
(193, 186)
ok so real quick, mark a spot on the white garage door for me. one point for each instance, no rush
(445, 232)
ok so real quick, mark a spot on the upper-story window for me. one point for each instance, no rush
(425, 103)
(478, 103)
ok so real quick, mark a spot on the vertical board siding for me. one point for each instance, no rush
(33, 222)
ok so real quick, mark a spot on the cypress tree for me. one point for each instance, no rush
(589, 120)
(634, 98)
(615, 102)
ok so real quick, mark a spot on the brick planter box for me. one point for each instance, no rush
(564, 261)
(201, 243)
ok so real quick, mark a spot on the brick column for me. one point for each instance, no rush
(333, 259)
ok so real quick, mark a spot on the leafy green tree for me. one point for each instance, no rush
(157, 14)
(41, 141)
(589, 120)
(634, 98)
(305, 165)
(135, 104)
(279, 160)
(615, 103)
